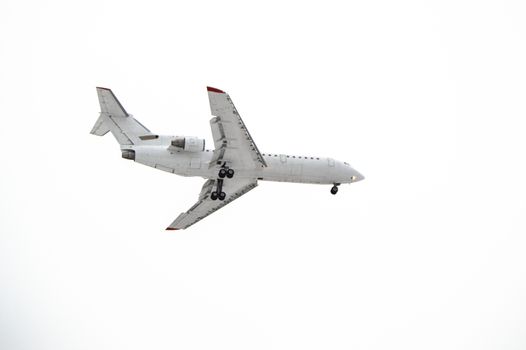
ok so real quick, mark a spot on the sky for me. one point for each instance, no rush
(426, 99)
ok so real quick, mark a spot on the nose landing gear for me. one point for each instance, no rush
(334, 189)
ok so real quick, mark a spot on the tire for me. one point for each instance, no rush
(230, 173)
(222, 196)
(213, 196)
(334, 190)
(222, 173)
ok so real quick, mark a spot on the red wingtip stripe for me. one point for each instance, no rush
(212, 89)
(171, 229)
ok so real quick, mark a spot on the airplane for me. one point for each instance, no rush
(231, 169)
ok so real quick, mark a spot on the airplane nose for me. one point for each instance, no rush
(356, 176)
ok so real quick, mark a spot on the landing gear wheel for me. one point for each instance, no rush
(222, 196)
(213, 196)
(230, 173)
(222, 173)
(334, 189)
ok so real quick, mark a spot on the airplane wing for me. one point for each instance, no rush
(233, 143)
(205, 206)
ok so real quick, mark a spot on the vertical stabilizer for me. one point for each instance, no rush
(113, 117)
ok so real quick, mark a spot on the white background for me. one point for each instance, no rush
(426, 99)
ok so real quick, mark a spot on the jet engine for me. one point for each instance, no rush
(189, 144)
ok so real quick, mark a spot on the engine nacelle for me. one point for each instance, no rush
(189, 144)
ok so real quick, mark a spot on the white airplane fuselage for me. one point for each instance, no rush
(158, 154)
(232, 168)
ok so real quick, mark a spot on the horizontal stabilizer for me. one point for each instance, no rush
(100, 128)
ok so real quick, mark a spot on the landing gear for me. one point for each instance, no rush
(334, 189)
(218, 193)
(226, 172)
(223, 172)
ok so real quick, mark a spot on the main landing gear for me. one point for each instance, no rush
(334, 189)
(218, 193)
(229, 173)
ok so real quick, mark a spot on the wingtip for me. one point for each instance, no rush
(171, 229)
(213, 89)
(102, 88)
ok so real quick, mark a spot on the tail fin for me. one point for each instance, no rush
(113, 117)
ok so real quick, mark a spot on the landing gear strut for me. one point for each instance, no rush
(334, 189)
(223, 172)
(218, 193)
